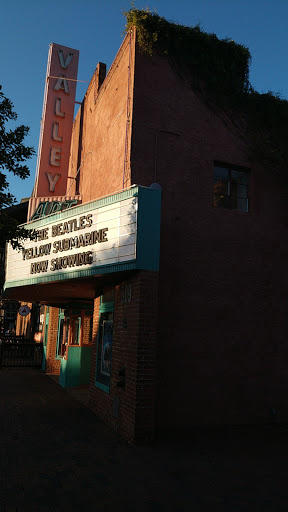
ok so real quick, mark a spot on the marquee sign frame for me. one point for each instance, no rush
(118, 232)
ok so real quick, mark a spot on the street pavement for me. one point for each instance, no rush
(56, 455)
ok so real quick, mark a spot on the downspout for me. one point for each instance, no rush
(127, 112)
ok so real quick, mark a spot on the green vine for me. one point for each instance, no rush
(219, 71)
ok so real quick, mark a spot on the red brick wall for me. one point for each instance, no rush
(134, 348)
(105, 144)
(52, 364)
(146, 386)
(85, 329)
(223, 274)
(74, 152)
(221, 353)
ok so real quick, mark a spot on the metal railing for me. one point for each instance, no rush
(20, 353)
(13, 338)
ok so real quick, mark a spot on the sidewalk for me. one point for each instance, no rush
(57, 456)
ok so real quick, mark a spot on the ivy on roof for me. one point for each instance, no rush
(218, 69)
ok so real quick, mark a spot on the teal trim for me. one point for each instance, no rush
(106, 306)
(62, 376)
(83, 208)
(79, 328)
(148, 239)
(70, 368)
(61, 316)
(148, 229)
(85, 368)
(102, 386)
(75, 370)
(76, 274)
(46, 326)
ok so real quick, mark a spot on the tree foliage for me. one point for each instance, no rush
(13, 155)
(218, 71)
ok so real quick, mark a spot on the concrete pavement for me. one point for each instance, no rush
(55, 455)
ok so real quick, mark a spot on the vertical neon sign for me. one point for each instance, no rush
(57, 122)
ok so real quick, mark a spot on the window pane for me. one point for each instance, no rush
(221, 201)
(239, 177)
(220, 193)
(221, 172)
(46, 326)
(241, 204)
(60, 338)
(67, 329)
(221, 187)
(238, 190)
(76, 331)
(231, 188)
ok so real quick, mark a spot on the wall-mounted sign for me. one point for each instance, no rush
(126, 293)
(77, 239)
(24, 310)
(42, 206)
(116, 233)
(45, 208)
(57, 121)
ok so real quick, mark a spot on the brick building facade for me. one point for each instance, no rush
(199, 338)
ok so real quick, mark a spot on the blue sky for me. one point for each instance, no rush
(96, 29)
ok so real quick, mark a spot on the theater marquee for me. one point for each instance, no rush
(90, 239)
